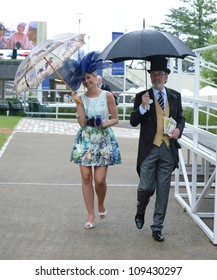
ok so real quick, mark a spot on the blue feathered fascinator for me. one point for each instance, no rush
(75, 70)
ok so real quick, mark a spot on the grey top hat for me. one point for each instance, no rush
(159, 64)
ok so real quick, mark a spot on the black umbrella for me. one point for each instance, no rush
(144, 44)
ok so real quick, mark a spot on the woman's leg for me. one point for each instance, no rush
(87, 190)
(100, 173)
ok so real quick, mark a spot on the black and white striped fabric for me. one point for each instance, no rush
(161, 100)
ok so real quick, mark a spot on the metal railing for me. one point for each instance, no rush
(198, 194)
(67, 103)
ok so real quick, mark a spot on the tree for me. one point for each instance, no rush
(210, 56)
(193, 23)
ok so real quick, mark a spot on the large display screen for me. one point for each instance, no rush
(20, 36)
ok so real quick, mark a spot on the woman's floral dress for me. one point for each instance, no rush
(95, 146)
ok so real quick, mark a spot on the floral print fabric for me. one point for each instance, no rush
(95, 147)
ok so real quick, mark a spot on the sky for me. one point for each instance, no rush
(97, 18)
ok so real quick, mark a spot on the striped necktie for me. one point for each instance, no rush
(161, 100)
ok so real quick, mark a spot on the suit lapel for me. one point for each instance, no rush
(170, 100)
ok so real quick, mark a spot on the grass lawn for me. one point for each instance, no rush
(7, 124)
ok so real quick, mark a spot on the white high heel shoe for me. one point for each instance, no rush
(102, 215)
(89, 225)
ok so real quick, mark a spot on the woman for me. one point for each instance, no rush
(95, 146)
(3, 39)
(19, 40)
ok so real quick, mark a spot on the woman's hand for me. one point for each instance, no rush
(75, 97)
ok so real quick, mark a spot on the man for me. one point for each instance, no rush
(106, 88)
(157, 151)
(101, 85)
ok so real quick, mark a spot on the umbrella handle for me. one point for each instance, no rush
(68, 87)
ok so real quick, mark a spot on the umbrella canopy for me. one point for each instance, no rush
(144, 44)
(45, 59)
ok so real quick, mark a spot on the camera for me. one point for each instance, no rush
(95, 121)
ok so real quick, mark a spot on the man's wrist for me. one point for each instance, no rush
(142, 109)
(146, 106)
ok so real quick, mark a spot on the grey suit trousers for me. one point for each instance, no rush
(155, 174)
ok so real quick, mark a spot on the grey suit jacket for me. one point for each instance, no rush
(148, 124)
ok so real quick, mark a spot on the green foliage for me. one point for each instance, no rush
(210, 56)
(7, 122)
(188, 113)
(11, 99)
(193, 22)
(213, 121)
(127, 114)
(213, 118)
(202, 118)
(69, 111)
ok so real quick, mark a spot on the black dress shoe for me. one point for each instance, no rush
(157, 235)
(139, 219)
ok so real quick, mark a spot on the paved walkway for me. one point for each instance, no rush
(67, 127)
(43, 214)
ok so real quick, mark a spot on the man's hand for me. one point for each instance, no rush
(146, 101)
(174, 134)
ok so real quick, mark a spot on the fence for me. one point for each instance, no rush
(63, 101)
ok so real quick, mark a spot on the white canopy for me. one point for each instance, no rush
(208, 91)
